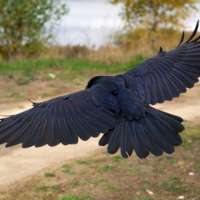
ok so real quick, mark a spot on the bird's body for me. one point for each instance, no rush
(117, 106)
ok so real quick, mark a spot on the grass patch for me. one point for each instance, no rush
(74, 184)
(97, 181)
(160, 169)
(45, 188)
(118, 158)
(130, 170)
(32, 67)
(76, 197)
(15, 95)
(197, 167)
(67, 169)
(49, 174)
(112, 187)
(185, 145)
(173, 177)
(83, 162)
(45, 95)
(108, 168)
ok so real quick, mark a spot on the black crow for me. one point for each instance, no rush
(117, 106)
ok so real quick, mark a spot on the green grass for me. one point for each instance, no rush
(97, 181)
(74, 184)
(198, 167)
(16, 95)
(118, 158)
(76, 197)
(160, 169)
(185, 145)
(144, 198)
(173, 177)
(112, 187)
(30, 67)
(130, 170)
(49, 174)
(108, 168)
(83, 162)
(45, 188)
(67, 169)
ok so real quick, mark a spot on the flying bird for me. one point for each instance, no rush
(117, 106)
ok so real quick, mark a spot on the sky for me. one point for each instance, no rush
(91, 22)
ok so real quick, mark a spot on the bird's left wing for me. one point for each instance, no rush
(169, 73)
(63, 119)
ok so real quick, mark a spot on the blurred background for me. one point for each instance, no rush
(54, 47)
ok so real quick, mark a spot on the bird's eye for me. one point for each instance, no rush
(115, 92)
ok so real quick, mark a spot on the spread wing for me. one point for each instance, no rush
(169, 73)
(63, 119)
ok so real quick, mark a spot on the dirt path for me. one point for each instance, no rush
(17, 163)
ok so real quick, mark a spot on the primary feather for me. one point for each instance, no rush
(117, 106)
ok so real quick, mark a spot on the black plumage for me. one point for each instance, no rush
(116, 106)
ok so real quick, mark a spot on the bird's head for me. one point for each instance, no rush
(95, 80)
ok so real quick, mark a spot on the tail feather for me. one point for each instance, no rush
(106, 137)
(156, 133)
(115, 140)
(126, 145)
(151, 146)
(139, 147)
(170, 120)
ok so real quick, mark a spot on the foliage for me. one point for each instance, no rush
(22, 24)
(155, 14)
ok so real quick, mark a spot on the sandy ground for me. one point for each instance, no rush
(17, 163)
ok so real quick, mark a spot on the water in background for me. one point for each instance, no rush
(91, 22)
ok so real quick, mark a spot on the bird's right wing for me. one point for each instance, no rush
(168, 74)
(63, 119)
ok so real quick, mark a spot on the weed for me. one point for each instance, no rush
(97, 181)
(23, 81)
(74, 184)
(83, 183)
(160, 169)
(131, 170)
(171, 161)
(15, 95)
(67, 169)
(198, 167)
(112, 187)
(45, 188)
(146, 186)
(52, 85)
(118, 158)
(173, 177)
(107, 168)
(170, 187)
(49, 174)
(185, 145)
(83, 162)
(76, 197)
(45, 95)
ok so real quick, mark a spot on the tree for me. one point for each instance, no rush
(22, 24)
(154, 14)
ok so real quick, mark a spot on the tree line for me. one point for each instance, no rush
(23, 23)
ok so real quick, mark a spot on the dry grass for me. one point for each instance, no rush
(128, 49)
